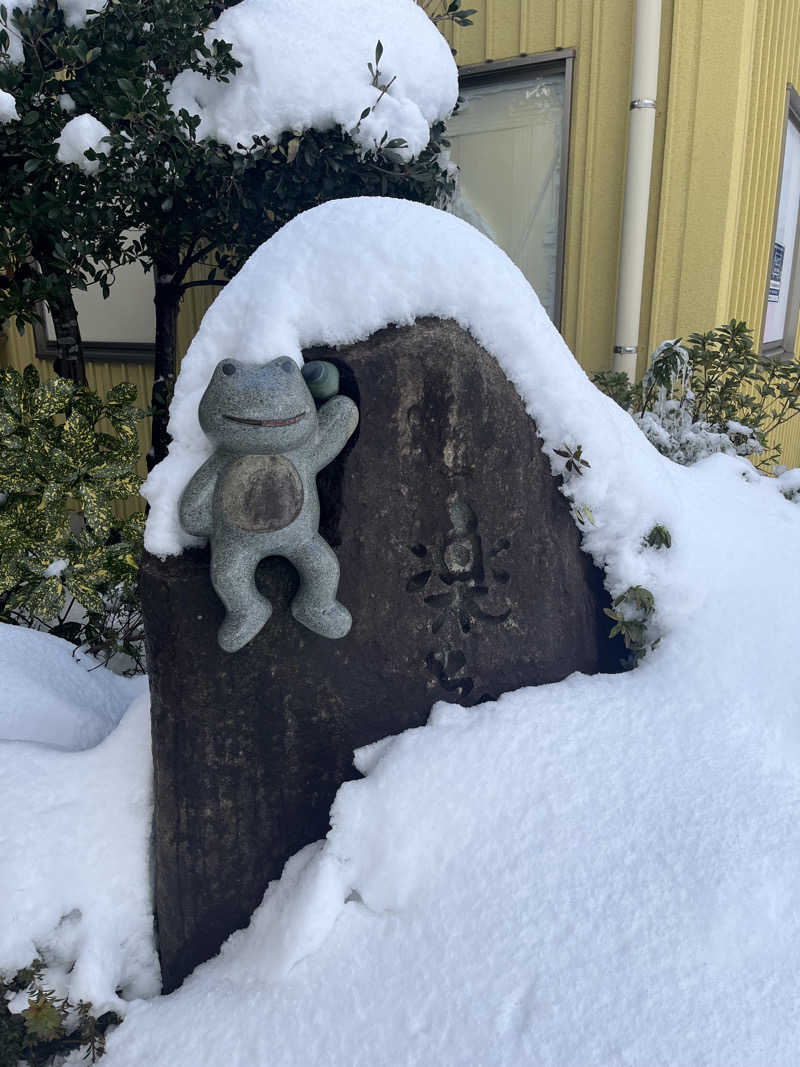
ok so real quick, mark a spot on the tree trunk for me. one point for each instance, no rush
(69, 362)
(165, 368)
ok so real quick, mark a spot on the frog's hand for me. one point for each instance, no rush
(195, 508)
(338, 418)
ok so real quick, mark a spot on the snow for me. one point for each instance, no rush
(79, 134)
(58, 566)
(54, 694)
(75, 833)
(789, 482)
(8, 108)
(76, 13)
(601, 871)
(306, 67)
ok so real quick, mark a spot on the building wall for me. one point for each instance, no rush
(775, 62)
(720, 115)
(602, 36)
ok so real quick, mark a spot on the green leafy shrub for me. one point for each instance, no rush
(631, 611)
(714, 393)
(617, 385)
(50, 1025)
(68, 564)
(659, 537)
(574, 457)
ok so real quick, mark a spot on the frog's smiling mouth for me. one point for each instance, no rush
(268, 422)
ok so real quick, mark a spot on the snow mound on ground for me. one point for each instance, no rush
(74, 876)
(55, 695)
(306, 66)
(79, 134)
(601, 871)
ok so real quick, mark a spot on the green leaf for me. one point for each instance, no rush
(47, 599)
(96, 510)
(52, 397)
(122, 393)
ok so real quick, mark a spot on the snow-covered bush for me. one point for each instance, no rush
(48, 1026)
(69, 572)
(789, 482)
(712, 394)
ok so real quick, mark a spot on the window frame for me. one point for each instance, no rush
(94, 351)
(784, 349)
(511, 71)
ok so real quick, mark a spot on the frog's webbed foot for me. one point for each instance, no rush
(332, 621)
(315, 605)
(239, 628)
(233, 575)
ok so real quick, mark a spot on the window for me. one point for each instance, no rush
(783, 286)
(510, 138)
(119, 328)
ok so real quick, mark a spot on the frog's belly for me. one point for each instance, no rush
(262, 493)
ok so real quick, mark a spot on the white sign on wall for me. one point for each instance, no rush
(785, 240)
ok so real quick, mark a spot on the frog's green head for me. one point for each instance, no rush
(256, 408)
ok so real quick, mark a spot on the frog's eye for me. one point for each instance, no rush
(287, 365)
(228, 368)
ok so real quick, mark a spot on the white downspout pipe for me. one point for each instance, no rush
(644, 86)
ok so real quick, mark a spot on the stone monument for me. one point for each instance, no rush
(462, 569)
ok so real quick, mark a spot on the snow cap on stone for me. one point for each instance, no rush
(305, 66)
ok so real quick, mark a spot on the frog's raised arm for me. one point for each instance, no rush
(194, 509)
(338, 418)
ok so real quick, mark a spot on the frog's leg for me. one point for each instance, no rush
(233, 575)
(315, 604)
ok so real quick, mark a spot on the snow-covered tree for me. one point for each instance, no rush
(60, 227)
(223, 124)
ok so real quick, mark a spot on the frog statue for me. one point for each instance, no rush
(256, 495)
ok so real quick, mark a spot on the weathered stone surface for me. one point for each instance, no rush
(461, 566)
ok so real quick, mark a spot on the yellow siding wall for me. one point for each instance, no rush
(776, 62)
(730, 65)
(602, 35)
(723, 72)
(705, 146)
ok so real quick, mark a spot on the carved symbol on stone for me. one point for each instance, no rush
(455, 585)
(458, 564)
(448, 665)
